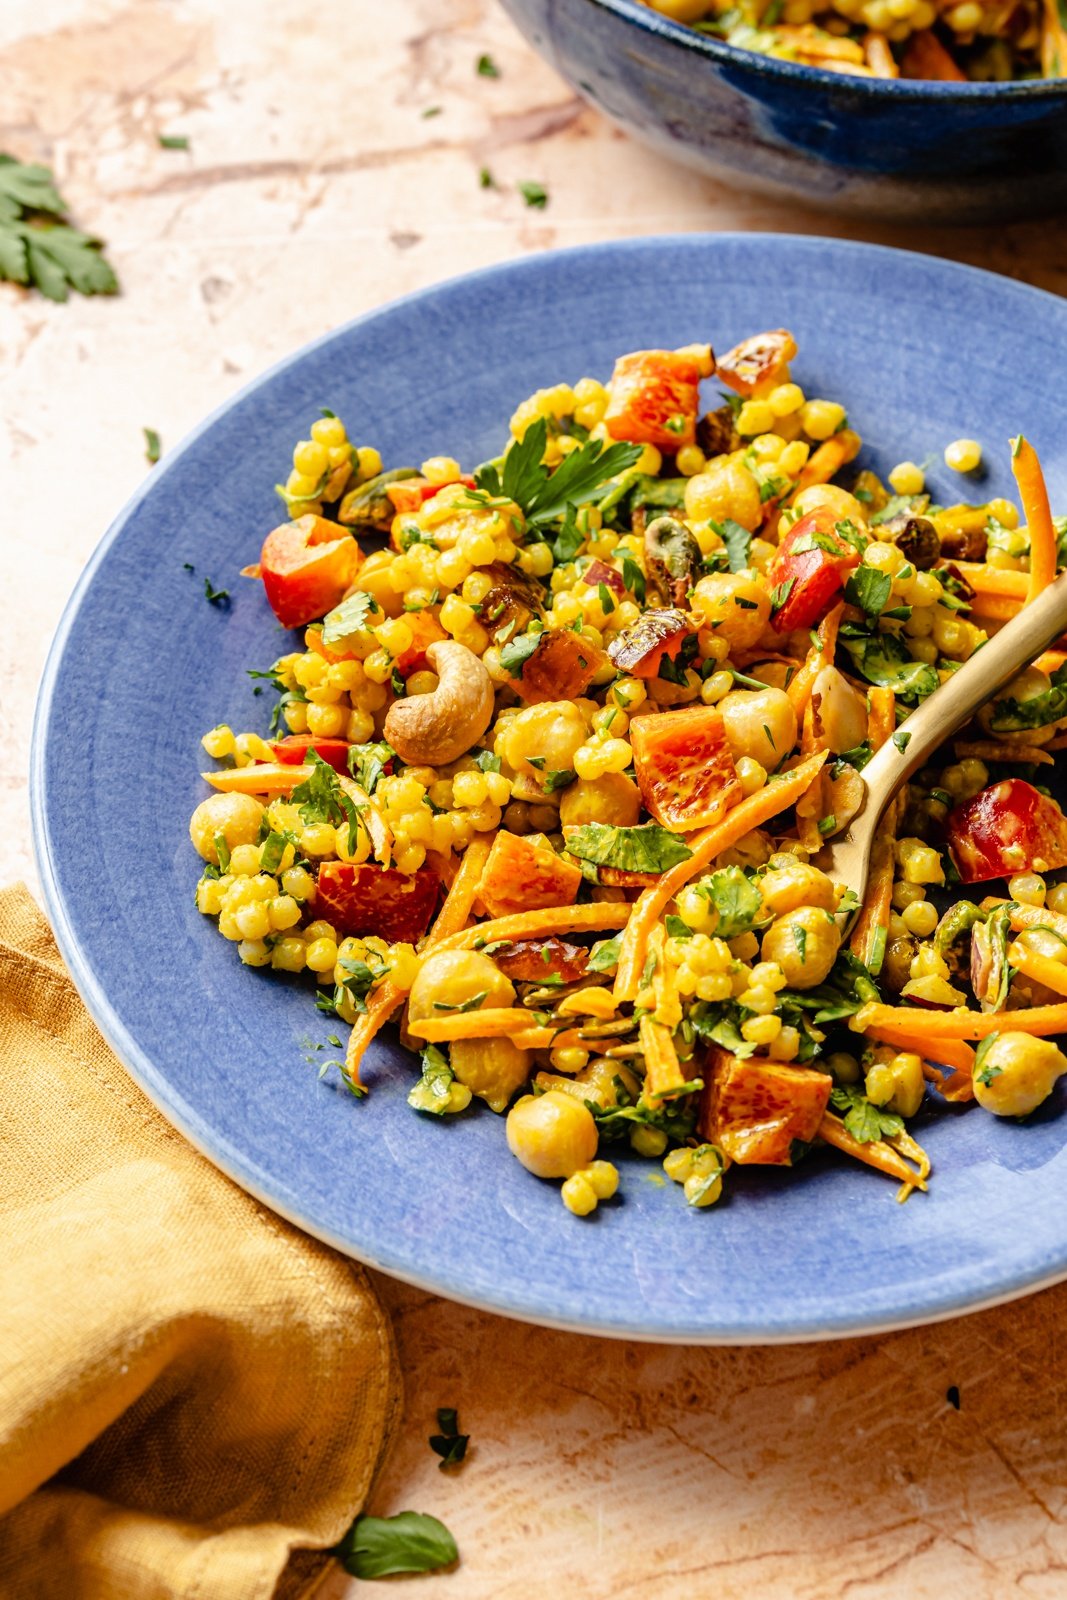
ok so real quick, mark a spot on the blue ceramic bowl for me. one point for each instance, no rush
(921, 352)
(926, 152)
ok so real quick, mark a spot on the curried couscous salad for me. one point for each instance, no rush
(953, 41)
(552, 765)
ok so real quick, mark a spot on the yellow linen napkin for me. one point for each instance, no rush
(190, 1389)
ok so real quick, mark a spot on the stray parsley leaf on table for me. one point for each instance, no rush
(378, 1547)
(487, 67)
(38, 247)
(535, 194)
(449, 1444)
(153, 449)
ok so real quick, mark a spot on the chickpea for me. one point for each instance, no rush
(798, 884)
(898, 1084)
(451, 977)
(843, 504)
(735, 605)
(550, 732)
(236, 816)
(375, 579)
(725, 489)
(493, 1069)
(804, 943)
(761, 724)
(839, 711)
(552, 1134)
(613, 799)
(1016, 1073)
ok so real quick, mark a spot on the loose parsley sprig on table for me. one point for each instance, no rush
(37, 244)
(544, 496)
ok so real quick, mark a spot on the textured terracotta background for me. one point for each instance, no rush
(315, 189)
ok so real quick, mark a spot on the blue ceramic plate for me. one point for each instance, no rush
(922, 352)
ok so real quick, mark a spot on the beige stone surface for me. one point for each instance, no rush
(314, 189)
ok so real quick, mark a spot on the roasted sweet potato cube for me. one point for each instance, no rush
(756, 1110)
(562, 667)
(526, 874)
(653, 398)
(684, 767)
(366, 899)
(756, 365)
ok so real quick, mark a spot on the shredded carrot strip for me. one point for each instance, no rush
(985, 579)
(926, 57)
(1051, 661)
(536, 1039)
(882, 721)
(877, 902)
(876, 1153)
(750, 813)
(663, 1073)
(1038, 514)
(262, 777)
(954, 1053)
(1042, 969)
(487, 1023)
(1030, 917)
(820, 655)
(829, 458)
(994, 750)
(879, 56)
(388, 997)
(1041, 1021)
(597, 918)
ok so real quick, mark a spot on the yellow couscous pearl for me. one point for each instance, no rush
(755, 416)
(253, 952)
(786, 399)
(244, 860)
(300, 487)
(326, 722)
(761, 1030)
(219, 742)
(311, 458)
(321, 955)
(288, 955)
(368, 460)
(1028, 888)
(441, 469)
(253, 921)
(822, 418)
(794, 457)
(690, 460)
(907, 478)
(752, 775)
(963, 455)
(920, 918)
(328, 431)
(318, 840)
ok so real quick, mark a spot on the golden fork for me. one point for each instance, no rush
(847, 859)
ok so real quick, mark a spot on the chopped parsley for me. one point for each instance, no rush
(322, 799)
(535, 194)
(379, 1547)
(449, 1444)
(869, 589)
(648, 848)
(348, 618)
(559, 779)
(462, 1005)
(736, 898)
(866, 1122)
(367, 763)
(486, 67)
(901, 740)
(216, 597)
(153, 449)
(37, 244)
(173, 141)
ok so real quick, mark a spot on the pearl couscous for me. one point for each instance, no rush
(558, 743)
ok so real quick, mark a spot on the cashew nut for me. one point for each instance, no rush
(433, 729)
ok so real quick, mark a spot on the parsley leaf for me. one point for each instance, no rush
(322, 799)
(569, 540)
(485, 178)
(865, 1122)
(648, 848)
(378, 1547)
(604, 956)
(216, 597)
(348, 618)
(152, 446)
(901, 740)
(633, 578)
(486, 67)
(173, 141)
(517, 652)
(37, 246)
(559, 779)
(883, 659)
(737, 540)
(535, 194)
(433, 1092)
(367, 763)
(288, 696)
(544, 496)
(486, 761)
(449, 1444)
(462, 1005)
(736, 899)
(780, 593)
(985, 1074)
(869, 589)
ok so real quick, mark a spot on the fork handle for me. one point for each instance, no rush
(960, 696)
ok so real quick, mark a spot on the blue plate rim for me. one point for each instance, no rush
(703, 44)
(1052, 1269)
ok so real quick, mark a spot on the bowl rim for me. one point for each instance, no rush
(643, 16)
